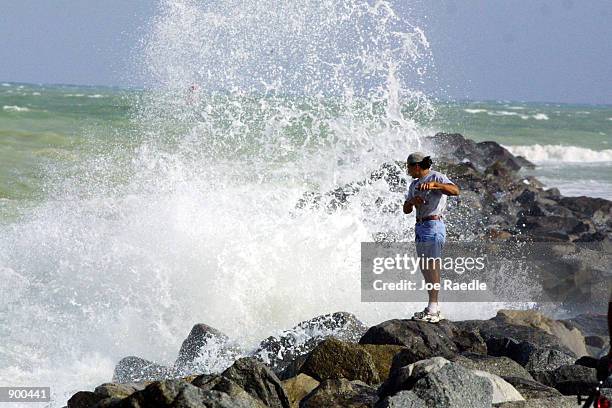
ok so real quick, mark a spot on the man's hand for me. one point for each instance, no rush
(432, 185)
(448, 189)
(414, 201)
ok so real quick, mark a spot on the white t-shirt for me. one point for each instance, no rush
(435, 200)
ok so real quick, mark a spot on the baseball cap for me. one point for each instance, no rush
(416, 157)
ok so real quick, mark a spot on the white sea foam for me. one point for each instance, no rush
(537, 116)
(15, 108)
(5, 84)
(95, 96)
(560, 153)
(475, 110)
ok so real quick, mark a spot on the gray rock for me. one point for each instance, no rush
(157, 394)
(258, 380)
(544, 359)
(454, 386)
(205, 349)
(135, 369)
(192, 397)
(569, 379)
(531, 389)
(404, 377)
(502, 390)
(501, 366)
(422, 340)
(340, 393)
(280, 351)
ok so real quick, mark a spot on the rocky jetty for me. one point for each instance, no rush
(517, 358)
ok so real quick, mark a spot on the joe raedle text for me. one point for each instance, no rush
(446, 284)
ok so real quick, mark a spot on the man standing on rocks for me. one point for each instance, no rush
(428, 194)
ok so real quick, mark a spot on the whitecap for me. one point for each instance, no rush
(95, 96)
(15, 108)
(475, 110)
(5, 84)
(560, 153)
(540, 116)
(502, 113)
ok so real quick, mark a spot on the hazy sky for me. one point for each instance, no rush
(534, 50)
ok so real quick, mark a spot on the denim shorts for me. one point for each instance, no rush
(430, 237)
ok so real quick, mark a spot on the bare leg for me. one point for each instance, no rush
(432, 275)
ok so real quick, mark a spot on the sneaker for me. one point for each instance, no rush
(426, 316)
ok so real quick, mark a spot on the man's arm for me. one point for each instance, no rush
(409, 204)
(445, 188)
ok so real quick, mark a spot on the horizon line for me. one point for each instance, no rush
(434, 98)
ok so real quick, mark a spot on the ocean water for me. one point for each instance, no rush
(127, 216)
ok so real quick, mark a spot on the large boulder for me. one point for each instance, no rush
(340, 392)
(135, 369)
(205, 349)
(545, 359)
(597, 209)
(570, 337)
(421, 340)
(337, 359)
(441, 383)
(569, 379)
(259, 381)
(280, 351)
(520, 342)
